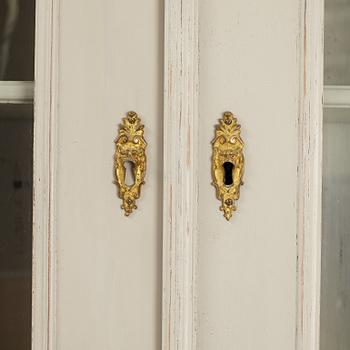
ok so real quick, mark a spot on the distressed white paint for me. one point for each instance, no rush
(310, 175)
(16, 91)
(45, 109)
(248, 266)
(335, 96)
(250, 64)
(108, 265)
(230, 76)
(181, 175)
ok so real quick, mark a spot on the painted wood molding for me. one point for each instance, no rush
(180, 175)
(16, 92)
(310, 175)
(45, 108)
(335, 96)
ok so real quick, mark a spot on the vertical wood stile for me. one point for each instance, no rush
(180, 174)
(310, 175)
(45, 106)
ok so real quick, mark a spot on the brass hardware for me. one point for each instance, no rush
(228, 163)
(130, 147)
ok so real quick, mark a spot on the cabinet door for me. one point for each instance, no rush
(175, 274)
(251, 282)
(248, 265)
(107, 266)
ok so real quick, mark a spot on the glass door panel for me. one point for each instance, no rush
(335, 276)
(337, 43)
(16, 138)
(335, 286)
(17, 26)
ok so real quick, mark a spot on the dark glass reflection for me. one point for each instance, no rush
(17, 26)
(16, 139)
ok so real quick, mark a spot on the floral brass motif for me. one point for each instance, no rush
(130, 147)
(228, 163)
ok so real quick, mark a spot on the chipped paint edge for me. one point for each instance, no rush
(180, 175)
(45, 110)
(310, 175)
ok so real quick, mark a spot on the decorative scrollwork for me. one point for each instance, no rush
(228, 163)
(130, 147)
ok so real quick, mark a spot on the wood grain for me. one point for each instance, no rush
(45, 110)
(180, 174)
(310, 175)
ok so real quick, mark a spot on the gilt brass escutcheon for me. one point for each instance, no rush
(130, 146)
(228, 163)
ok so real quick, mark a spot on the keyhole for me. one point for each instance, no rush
(129, 173)
(228, 168)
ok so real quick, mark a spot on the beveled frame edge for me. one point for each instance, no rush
(181, 139)
(45, 110)
(310, 175)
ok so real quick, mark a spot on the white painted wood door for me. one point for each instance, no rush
(108, 266)
(247, 266)
(251, 63)
(253, 282)
(105, 279)
(175, 275)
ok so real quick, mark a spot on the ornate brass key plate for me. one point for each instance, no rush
(130, 147)
(228, 163)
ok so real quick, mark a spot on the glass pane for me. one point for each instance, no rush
(335, 282)
(16, 139)
(337, 43)
(17, 39)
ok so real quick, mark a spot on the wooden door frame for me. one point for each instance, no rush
(181, 139)
(310, 174)
(181, 165)
(45, 111)
(180, 190)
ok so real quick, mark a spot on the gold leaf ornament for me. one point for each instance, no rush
(130, 146)
(228, 163)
